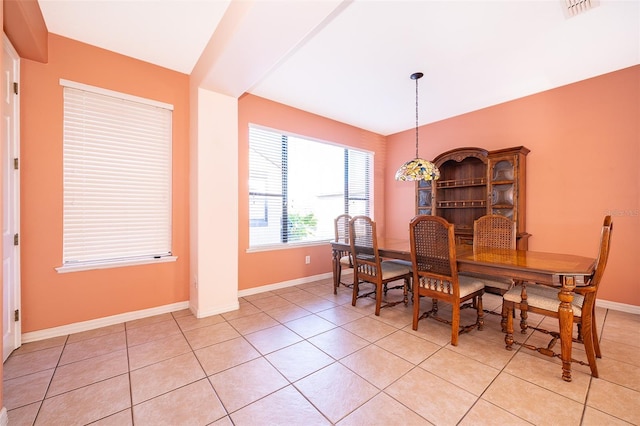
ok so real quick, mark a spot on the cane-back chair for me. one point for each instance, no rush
(341, 226)
(435, 274)
(543, 300)
(495, 231)
(369, 267)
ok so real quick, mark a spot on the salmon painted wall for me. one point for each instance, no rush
(50, 299)
(584, 163)
(269, 267)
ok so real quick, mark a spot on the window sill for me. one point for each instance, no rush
(115, 264)
(286, 246)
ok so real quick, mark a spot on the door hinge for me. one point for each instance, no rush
(15, 87)
(16, 315)
(16, 239)
(16, 164)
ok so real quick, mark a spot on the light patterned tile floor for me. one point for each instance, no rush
(303, 355)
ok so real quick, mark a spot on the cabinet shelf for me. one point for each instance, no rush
(461, 204)
(461, 183)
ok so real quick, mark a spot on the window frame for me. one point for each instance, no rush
(368, 196)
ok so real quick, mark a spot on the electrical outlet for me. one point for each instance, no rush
(307, 259)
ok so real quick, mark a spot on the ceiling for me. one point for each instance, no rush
(351, 60)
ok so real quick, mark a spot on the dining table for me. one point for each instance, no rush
(564, 271)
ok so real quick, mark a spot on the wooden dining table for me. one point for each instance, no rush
(564, 271)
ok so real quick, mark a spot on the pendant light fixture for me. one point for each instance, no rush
(418, 168)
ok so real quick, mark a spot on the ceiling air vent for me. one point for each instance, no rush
(575, 7)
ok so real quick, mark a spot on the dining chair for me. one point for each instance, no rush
(495, 231)
(543, 300)
(435, 274)
(369, 267)
(341, 227)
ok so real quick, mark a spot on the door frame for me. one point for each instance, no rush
(11, 206)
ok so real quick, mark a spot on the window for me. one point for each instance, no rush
(297, 186)
(117, 178)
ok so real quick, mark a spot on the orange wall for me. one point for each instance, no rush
(268, 267)
(584, 163)
(51, 299)
(25, 27)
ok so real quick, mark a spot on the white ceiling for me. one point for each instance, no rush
(351, 60)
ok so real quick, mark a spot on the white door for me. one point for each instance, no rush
(10, 199)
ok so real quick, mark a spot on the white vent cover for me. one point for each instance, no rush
(575, 7)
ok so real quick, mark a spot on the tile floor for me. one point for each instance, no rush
(302, 356)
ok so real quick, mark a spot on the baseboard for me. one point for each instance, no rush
(616, 306)
(283, 284)
(130, 316)
(101, 322)
(202, 313)
(4, 417)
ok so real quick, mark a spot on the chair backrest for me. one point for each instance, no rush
(341, 226)
(603, 252)
(433, 250)
(495, 231)
(364, 246)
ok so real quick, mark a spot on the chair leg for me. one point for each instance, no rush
(587, 338)
(416, 308)
(455, 324)
(407, 289)
(356, 289)
(378, 298)
(594, 329)
(480, 316)
(523, 320)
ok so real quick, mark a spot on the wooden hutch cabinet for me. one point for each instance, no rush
(475, 182)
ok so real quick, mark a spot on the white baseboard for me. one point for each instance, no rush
(130, 316)
(100, 322)
(284, 284)
(4, 417)
(616, 306)
(218, 310)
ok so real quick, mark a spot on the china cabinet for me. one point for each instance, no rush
(474, 182)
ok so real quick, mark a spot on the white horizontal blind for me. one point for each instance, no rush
(117, 178)
(297, 186)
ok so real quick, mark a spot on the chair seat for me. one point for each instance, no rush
(543, 297)
(346, 260)
(503, 284)
(406, 263)
(469, 285)
(393, 269)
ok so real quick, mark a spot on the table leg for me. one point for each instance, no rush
(565, 314)
(508, 337)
